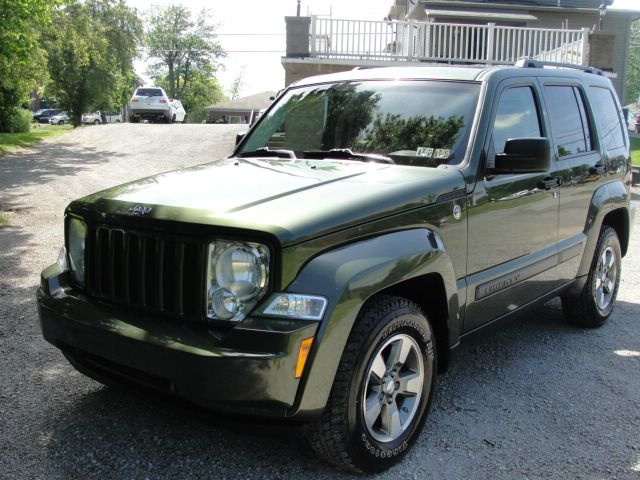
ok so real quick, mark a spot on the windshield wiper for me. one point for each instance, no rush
(348, 154)
(267, 152)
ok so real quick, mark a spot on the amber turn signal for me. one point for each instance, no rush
(303, 354)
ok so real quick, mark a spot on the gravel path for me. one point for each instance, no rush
(532, 399)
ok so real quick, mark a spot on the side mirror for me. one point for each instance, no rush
(523, 155)
(239, 137)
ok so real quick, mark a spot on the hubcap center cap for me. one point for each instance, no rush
(389, 387)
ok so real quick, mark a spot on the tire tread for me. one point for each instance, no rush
(580, 309)
(328, 436)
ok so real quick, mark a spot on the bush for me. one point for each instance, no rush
(20, 121)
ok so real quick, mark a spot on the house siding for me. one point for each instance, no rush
(617, 24)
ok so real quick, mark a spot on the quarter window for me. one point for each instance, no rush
(517, 117)
(568, 121)
(608, 119)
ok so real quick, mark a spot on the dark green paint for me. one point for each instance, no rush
(348, 230)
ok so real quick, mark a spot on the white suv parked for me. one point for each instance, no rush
(150, 103)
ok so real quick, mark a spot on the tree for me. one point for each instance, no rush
(91, 48)
(185, 49)
(237, 84)
(633, 65)
(22, 61)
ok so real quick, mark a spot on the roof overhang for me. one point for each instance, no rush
(469, 15)
(505, 7)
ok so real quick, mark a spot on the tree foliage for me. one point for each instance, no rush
(91, 48)
(22, 60)
(633, 65)
(184, 48)
(237, 84)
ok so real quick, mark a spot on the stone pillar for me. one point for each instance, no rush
(601, 48)
(298, 36)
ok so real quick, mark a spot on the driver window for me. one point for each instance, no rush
(517, 117)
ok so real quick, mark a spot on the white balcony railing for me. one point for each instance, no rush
(443, 42)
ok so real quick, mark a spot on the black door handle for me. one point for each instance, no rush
(549, 182)
(598, 169)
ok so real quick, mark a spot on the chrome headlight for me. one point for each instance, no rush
(237, 277)
(76, 238)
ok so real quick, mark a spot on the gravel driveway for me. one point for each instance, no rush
(533, 399)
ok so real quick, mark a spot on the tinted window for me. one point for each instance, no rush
(567, 124)
(517, 117)
(421, 123)
(607, 118)
(149, 92)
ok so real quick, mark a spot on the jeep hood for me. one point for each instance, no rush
(294, 200)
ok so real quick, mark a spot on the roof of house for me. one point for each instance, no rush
(528, 6)
(245, 104)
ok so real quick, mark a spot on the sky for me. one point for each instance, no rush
(253, 32)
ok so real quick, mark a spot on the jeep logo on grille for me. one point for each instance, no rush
(139, 210)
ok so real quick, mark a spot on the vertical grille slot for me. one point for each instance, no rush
(191, 283)
(149, 273)
(156, 273)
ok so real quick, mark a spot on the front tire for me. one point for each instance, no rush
(61, 122)
(593, 305)
(96, 122)
(382, 390)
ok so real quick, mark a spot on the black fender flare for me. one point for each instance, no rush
(348, 276)
(607, 198)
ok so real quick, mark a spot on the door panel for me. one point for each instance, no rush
(578, 156)
(513, 220)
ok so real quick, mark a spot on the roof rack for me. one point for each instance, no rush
(532, 63)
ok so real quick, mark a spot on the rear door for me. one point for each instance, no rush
(581, 164)
(513, 219)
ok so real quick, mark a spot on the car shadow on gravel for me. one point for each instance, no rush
(42, 163)
(505, 392)
(120, 434)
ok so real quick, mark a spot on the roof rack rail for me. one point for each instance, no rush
(532, 63)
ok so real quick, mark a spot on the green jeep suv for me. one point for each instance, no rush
(365, 225)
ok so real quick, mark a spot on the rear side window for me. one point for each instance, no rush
(517, 117)
(608, 119)
(149, 92)
(569, 125)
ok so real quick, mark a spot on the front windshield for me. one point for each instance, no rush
(421, 123)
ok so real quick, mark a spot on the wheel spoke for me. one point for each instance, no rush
(410, 383)
(391, 419)
(610, 259)
(398, 354)
(378, 369)
(608, 285)
(601, 300)
(602, 267)
(372, 409)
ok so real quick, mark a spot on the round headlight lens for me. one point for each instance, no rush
(240, 270)
(237, 277)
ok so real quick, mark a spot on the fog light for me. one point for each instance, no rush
(291, 305)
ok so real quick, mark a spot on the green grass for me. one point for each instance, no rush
(635, 151)
(11, 141)
(3, 220)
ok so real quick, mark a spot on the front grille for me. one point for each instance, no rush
(154, 272)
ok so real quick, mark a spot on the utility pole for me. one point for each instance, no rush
(298, 9)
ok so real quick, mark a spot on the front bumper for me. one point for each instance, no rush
(248, 369)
